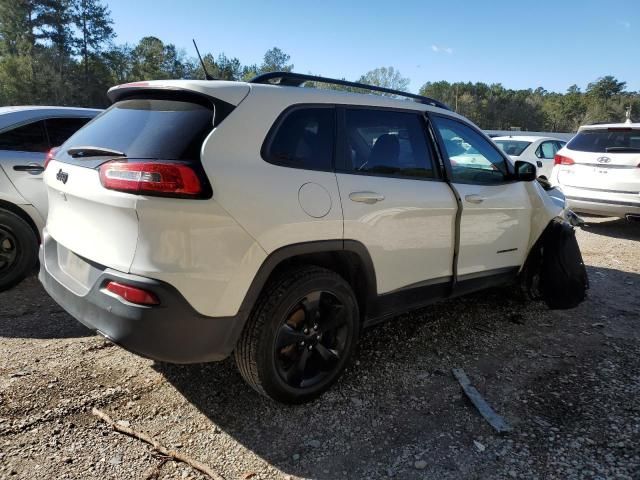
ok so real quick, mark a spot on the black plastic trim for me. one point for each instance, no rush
(425, 293)
(378, 307)
(283, 254)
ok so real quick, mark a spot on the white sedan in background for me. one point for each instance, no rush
(537, 150)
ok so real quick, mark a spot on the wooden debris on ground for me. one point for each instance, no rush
(157, 446)
(495, 420)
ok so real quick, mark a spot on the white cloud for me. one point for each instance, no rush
(439, 48)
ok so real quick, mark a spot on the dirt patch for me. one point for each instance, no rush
(567, 381)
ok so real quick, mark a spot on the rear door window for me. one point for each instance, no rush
(547, 150)
(386, 142)
(149, 129)
(31, 137)
(606, 141)
(304, 138)
(60, 129)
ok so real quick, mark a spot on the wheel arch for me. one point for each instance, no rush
(19, 212)
(348, 258)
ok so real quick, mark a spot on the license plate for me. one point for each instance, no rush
(74, 266)
(601, 170)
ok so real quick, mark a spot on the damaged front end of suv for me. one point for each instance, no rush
(554, 271)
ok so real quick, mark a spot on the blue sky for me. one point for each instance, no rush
(520, 44)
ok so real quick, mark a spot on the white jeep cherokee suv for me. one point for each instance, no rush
(195, 219)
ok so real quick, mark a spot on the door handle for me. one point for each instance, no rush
(475, 198)
(32, 168)
(366, 197)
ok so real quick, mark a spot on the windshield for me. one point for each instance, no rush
(148, 128)
(512, 147)
(606, 140)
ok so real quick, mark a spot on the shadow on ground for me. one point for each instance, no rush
(28, 312)
(613, 227)
(400, 401)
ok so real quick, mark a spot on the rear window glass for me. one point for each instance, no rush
(304, 139)
(149, 128)
(60, 129)
(512, 147)
(606, 140)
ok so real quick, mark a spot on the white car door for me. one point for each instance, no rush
(23, 151)
(545, 153)
(496, 211)
(393, 199)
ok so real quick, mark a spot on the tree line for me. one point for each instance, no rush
(63, 52)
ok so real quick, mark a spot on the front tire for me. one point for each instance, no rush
(18, 249)
(300, 336)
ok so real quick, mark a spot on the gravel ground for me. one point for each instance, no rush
(567, 381)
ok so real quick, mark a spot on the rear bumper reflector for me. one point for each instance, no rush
(132, 294)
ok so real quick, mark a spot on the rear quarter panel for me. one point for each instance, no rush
(262, 197)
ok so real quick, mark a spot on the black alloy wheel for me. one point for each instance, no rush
(300, 336)
(311, 340)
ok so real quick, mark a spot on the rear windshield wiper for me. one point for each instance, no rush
(623, 149)
(80, 152)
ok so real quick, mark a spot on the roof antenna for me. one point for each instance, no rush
(206, 74)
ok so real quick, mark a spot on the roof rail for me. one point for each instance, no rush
(291, 79)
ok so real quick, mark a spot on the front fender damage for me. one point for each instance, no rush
(554, 270)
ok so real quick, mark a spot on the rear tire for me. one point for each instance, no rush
(300, 336)
(18, 249)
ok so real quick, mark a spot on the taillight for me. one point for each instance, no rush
(132, 294)
(562, 160)
(50, 156)
(152, 178)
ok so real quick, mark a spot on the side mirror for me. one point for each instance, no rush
(525, 171)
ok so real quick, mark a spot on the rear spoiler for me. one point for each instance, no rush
(231, 93)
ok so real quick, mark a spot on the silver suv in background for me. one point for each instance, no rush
(26, 135)
(599, 170)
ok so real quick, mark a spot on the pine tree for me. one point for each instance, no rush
(93, 22)
(57, 35)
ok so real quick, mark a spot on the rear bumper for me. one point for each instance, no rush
(170, 332)
(598, 206)
(601, 202)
